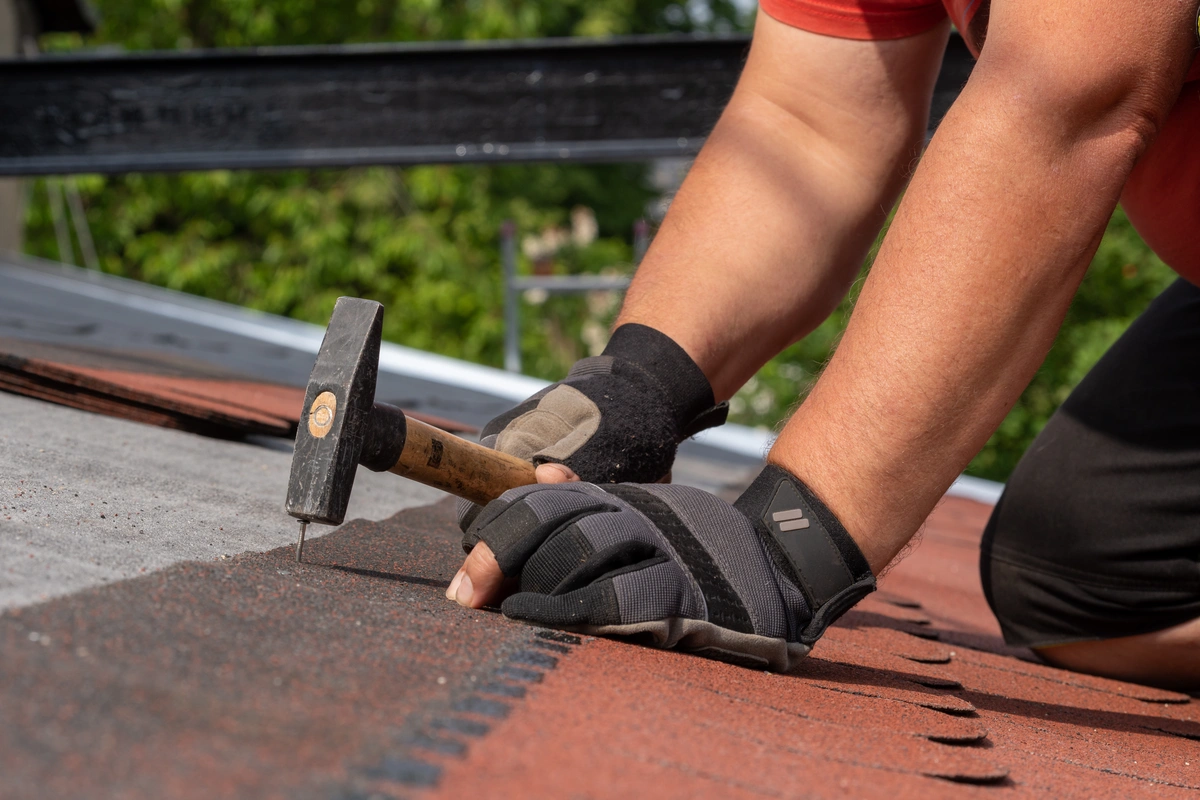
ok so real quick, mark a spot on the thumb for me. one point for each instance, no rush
(555, 473)
(480, 582)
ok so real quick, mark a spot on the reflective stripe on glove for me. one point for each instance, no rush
(755, 583)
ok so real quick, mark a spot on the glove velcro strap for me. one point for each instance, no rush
(826, 563)
(668, 366)
(725, 607)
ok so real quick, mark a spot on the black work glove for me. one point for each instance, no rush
(619, 416)
(755, 583)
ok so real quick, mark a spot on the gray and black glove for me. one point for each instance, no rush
(618, 416)
(755, 583)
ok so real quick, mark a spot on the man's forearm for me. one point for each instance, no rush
(779, 210)
(989, 245)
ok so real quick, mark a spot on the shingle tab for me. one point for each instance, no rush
(309, 681)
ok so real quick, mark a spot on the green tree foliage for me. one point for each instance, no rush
(425, 239)
(422, 239)
(181, 24)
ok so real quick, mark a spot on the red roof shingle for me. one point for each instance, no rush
(350, 676)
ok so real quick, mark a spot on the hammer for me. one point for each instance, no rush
(341, 426)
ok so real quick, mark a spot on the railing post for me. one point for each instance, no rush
(641, 240)
(512, 311)
(54, 193)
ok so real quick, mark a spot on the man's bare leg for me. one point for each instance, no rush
(1169, 658)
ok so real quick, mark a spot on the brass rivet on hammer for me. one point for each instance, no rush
(321, 414)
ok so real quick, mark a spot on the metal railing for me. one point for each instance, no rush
(552, 100)
(515, 285)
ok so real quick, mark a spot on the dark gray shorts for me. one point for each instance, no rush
(1097, 534)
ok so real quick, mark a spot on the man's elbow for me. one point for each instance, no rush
(1114, 109)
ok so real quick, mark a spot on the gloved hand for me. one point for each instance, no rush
(619, 416)
(755, 583)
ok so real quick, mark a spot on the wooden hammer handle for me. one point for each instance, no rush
(464, 469)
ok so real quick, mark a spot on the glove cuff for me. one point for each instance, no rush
(680, 380)
(809, 545)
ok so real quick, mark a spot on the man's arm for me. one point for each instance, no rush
(787, 196)
(989, 244)
(776, 215)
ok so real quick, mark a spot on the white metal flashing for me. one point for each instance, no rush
(273, 329)
(306, 337)
(977, 489)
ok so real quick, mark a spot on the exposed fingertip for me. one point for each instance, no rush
(452, 591)
(465, 592)
(483, 576)
(555, 473)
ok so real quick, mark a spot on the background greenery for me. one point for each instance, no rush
(426, 238)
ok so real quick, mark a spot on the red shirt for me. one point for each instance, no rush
(876, 19)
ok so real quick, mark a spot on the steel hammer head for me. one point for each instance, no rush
(336, 413)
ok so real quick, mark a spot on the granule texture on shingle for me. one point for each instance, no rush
(351, 676)
(258, 677)
(912, 694)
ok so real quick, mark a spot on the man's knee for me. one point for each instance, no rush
(1059, 594)
(1076, 552)
(1096, 535)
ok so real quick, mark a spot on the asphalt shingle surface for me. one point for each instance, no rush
(352, 676)
(150, 650)
(912, 694)
(258, 677)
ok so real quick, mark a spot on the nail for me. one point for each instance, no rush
(453, 589)
(465, 591)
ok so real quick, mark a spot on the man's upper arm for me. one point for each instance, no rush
(868, 95)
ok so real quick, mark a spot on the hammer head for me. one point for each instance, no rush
(337, 407)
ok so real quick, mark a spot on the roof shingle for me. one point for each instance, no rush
(351, 675)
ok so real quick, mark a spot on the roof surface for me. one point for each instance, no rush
(87, 500)
(159, 639)
(352, 676)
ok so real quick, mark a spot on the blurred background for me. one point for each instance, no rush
(427, 237)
